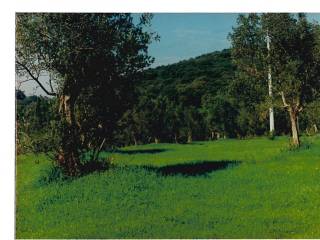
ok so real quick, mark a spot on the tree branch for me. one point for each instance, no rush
(36, 79)
(99, 149)
(50, 83)
(285, 104)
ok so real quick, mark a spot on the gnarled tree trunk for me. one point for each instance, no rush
(294, 126)
(69, 158)
(293, 109)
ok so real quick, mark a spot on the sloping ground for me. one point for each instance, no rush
(225, 189)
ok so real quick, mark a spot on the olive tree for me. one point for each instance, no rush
(93, 60)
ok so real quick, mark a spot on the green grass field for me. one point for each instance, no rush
(253, 188)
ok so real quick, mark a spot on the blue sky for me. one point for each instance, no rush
(189, 35)
(183, 36)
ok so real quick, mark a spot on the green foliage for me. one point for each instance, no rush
(53, 174)
(170, 97)
(311, 120)
(272, 135)
(132, 127)
(188, 80)
(272, 193)
(35, 119)
(220, 115)
(293, 56)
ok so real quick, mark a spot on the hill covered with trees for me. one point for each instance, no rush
(194, 99)
(173, 101)
(200, 99)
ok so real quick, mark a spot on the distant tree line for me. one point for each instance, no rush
(35, 118)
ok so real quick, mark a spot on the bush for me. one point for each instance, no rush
(52, 174)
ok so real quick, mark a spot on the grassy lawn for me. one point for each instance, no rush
(253, 188)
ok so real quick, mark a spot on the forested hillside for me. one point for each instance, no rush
(195, 99)
(210, 73)
(199, 99)
(173, 100)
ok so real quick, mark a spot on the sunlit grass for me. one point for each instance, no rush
(271, 193)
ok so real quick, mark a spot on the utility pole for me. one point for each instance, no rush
(271, 114)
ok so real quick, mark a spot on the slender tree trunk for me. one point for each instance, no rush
(68, 157)
(212, 135)
(294, 127)
(135, 140)
(189, 137)
(175, 138)
(315, 128)
(218, 135)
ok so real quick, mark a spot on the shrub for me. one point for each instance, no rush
(271, 135)
(52, 174)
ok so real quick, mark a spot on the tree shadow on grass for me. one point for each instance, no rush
(195, 143)
(94, 166)
(141, 151)
(193, 169)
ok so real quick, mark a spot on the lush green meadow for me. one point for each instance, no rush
(254, 188)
